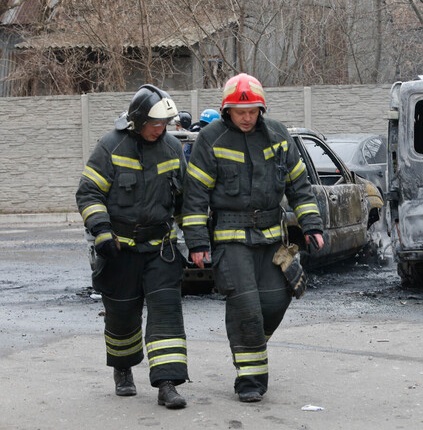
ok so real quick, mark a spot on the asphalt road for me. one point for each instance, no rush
(352, 347)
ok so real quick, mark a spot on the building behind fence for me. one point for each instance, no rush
(45, 141)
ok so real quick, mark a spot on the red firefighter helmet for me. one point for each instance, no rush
(243, 91)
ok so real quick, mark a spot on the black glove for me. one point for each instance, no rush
(107, 244)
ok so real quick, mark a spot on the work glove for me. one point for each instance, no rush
(107, 244)
(288, 258)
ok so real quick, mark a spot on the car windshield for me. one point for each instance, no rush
(345, 149)
(322, 160)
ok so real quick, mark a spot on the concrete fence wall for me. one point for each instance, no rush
(45, 141)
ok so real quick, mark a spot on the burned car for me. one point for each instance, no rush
(405, 180)
(364, 153)
(349, 206)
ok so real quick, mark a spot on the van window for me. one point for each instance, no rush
(418, 127)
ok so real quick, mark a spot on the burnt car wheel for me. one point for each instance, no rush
(411, 274)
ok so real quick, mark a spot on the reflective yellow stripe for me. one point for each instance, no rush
(269, 153)
(123, 342)
(131, 163)
(200, 175)
(166, 166)
(243, 357)
(173, 235)
(229, 154)
(167, 359)
(103, 237)
(272, 232)
(131, 242)
(229, 235)
(101, 182)
(252, 370)
(309, 208)
(89, 210)
(297, 171)
(124, 352)
(166, 343)
(194, 220)
(113, 343)
(127, 240)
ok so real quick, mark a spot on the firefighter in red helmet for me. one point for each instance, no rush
(239, 171)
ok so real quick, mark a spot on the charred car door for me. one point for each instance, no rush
(341, 201)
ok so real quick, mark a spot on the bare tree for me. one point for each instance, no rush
(103, 45)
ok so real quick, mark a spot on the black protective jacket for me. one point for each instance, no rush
(241, 178)
(129, 182)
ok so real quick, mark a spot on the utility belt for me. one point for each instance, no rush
(141, 234)
(254, 219)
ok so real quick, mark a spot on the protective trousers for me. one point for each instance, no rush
(256, 300)
(126, 282)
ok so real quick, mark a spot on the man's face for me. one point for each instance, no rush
(153, 129)
(244, 118)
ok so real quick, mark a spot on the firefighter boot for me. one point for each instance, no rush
(124, 382)
(169, 397)
(250, 396)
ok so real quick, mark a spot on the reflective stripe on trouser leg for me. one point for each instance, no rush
(123, 333)
(124, 346)
(167, 359)
(251, 363)
(165, 337)
(235, 274)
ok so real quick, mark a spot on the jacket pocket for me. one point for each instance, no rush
(231, 178)
(127, 183)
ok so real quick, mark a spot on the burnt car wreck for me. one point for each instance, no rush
(349, 205)
(405, 180)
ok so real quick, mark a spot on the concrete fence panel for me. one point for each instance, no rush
(45, 141)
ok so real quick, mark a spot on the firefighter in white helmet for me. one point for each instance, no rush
(129, 197)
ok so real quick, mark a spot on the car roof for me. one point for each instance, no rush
(293, 131)
(352, 137)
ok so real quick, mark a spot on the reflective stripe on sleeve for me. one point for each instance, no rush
(90, 210)
(103, 237)
(200, 175)
(297, 171)
(99, 180)
(194, 220)
(309, 208)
